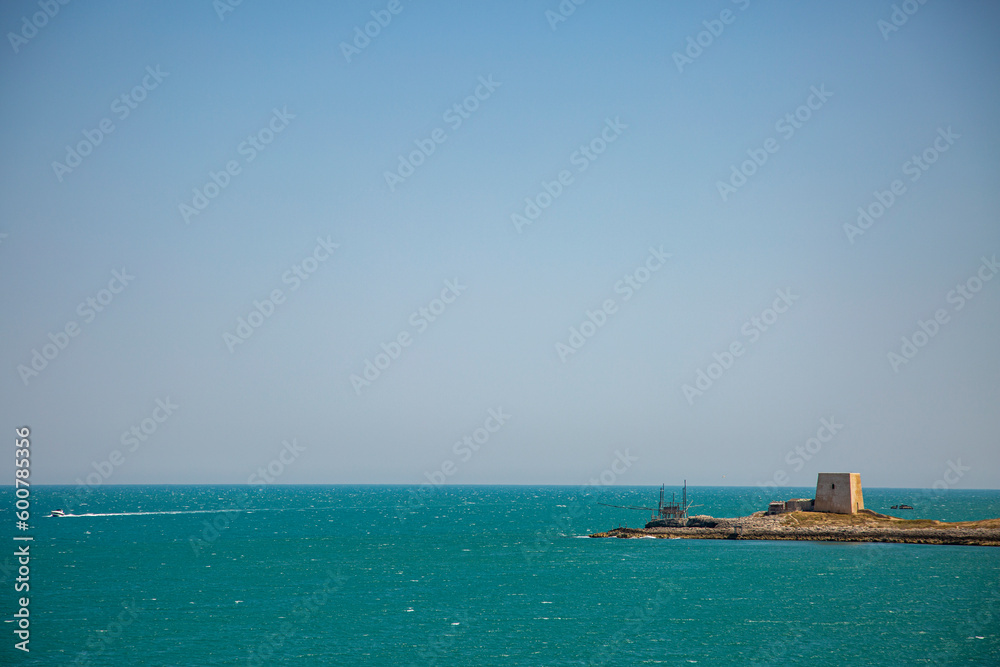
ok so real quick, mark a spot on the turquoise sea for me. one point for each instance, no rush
(482, 575)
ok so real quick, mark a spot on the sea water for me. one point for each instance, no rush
(482, 575)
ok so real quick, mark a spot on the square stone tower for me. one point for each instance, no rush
(839, 493)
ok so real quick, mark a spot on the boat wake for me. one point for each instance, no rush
(247, 510)
(221, 511)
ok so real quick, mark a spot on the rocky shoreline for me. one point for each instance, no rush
(865, 526)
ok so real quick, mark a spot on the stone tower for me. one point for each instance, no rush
(839, 493)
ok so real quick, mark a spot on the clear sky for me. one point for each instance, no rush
(689, 174)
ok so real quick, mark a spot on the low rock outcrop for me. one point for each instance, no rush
(863, 526)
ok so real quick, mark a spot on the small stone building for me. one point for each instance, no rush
(793, 505)
(839, 493)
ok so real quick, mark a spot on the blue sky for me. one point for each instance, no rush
(887, 96)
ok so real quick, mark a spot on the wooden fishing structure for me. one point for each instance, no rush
(664, 510)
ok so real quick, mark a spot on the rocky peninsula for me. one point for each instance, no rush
(862, 526)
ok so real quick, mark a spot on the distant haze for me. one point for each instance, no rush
(728, 242)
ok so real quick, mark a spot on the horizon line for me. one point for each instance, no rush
(476, 484)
